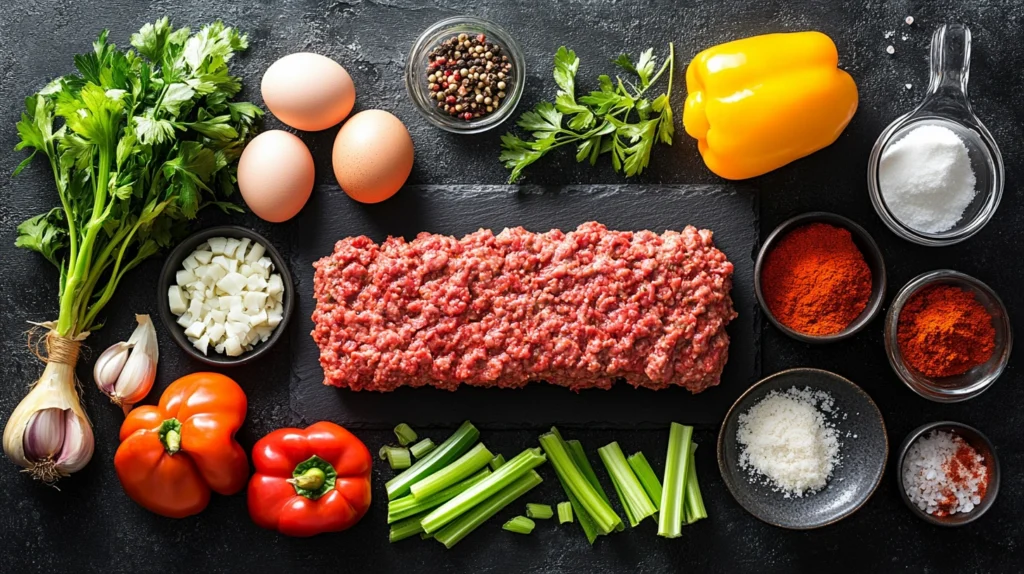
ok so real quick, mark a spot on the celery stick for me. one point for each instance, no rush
(583, 463)
(406, 528)
(472, 461)
(451, 449)
(564, 512)
(595, 505)
(644, 472)
(425, 536)
(694, 501)
(497, 461)
(409, 505)
(523, 463)
(405, 434)
(519, 525)
(586, 522)
(399, 458)
(670, 521)
(539, 511)
(421, 448)
(631, 493)
(463, 525)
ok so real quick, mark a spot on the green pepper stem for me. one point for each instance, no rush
(170, 435)
(312, 479)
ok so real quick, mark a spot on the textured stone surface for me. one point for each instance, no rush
(90, 525)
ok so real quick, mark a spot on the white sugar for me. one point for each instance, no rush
(926, 178)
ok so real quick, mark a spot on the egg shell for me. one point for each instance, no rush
(308, 91)
(373, 156)
(275, 175)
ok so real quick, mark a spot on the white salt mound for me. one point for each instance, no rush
(926, 480)
(926, 179)
(786, 438)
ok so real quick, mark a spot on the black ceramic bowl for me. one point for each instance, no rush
(167, 278)
(853, 481)
(867, 246)
(985, 448)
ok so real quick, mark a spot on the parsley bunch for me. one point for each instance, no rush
(616, 119)
(138, 142)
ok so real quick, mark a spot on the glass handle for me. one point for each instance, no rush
(950, 68)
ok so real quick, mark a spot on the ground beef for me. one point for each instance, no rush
(580, 309)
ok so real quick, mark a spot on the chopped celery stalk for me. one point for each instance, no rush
(643, 471)
(670, 520)
(469, 521)
(472, 461)
(383, 452)
(522, 464)
(421, 448)
(583, 463)
(409, 505)
(564, 512)
(519, 525)
(694, 501)
(399, 458)
(595, 505)
(497, 461)
(631, 493)
(586, 522)
(425, 536)
(539, 511)
(405, 434)
(440, 457)
(406, 528)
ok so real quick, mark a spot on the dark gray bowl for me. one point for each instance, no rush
(872, 256)
(853, 481)
(976, 439)
(173, 264)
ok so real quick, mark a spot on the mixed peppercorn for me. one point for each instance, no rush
(468, 76)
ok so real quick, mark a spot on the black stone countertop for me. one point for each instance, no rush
(90, 525)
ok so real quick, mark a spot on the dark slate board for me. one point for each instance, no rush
(457, 210)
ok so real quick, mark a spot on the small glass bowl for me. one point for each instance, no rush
(975, 381)
(416, 73)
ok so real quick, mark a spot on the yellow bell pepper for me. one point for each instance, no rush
(756, 104)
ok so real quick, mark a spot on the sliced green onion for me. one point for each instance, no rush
(564, 512)
(449, 450)
(539, 511)
(399, 458)
(409, 505)
(596, 507)
(583, 463)
(508, 473)
(406, 528)
(670, 520)
(460, 527)
(472, 461)
(519, 525)
(421, 448)
(694, 501)
(405, 434)
(497, 461)
(631, 493)
(643, 471)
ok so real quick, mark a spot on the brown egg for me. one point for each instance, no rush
(275, 175)
(308, 91)
(373, 156)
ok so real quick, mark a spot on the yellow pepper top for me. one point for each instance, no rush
(756, 104)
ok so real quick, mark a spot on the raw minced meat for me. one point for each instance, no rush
(580, 309)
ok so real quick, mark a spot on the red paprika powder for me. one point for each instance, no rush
(815, 281)
(944, 331)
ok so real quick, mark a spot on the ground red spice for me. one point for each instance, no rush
(960, 468)
(944, 331)
(815, 281)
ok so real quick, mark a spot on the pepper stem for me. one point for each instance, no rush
(312, 479)
(170, 435)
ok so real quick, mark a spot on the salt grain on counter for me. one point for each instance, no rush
(926, 179)
(944, 475)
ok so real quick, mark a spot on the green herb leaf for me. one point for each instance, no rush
(45, 234)
(566, 65)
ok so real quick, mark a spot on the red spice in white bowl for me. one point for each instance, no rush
(944, 475)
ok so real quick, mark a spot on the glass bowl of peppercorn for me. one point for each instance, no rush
(465, 74)
(947, 336)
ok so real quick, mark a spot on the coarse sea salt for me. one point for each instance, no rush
(787, 439)
(936, 477)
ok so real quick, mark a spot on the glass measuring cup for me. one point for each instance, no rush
(946, 104)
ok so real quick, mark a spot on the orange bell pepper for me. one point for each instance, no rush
(756, 104)
(172, 455)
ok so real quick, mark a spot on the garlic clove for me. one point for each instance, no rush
(44, 434)
(109, 365)
(78, 443)
(136, 379)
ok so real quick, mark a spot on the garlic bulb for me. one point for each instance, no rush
(126, 371)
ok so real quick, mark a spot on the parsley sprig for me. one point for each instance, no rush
(618, 118)
(137, 142)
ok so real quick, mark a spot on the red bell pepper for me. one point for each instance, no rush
(310, 480)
